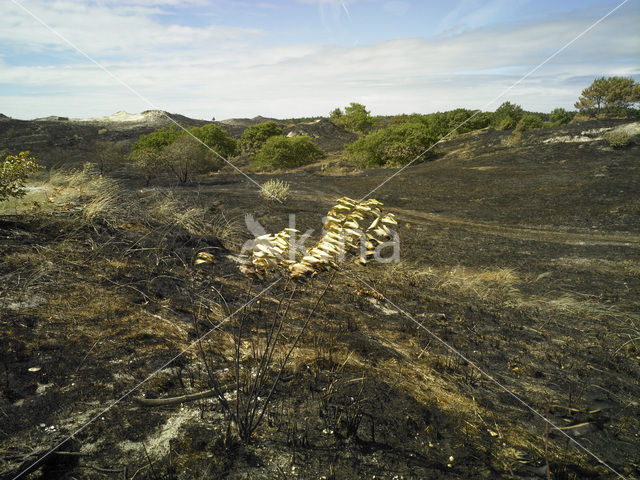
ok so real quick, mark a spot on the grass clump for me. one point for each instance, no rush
(275, 189)
(617, 139)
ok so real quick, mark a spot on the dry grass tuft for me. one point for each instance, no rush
(275, 190)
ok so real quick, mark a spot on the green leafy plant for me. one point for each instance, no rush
(179, 153)
(216, 138)
(355, 118)
(157, 139)
(559, 116)
(529, 121)
(507, 116)
(254, 137)
(391, 146)
(14, 170)
(283, 152)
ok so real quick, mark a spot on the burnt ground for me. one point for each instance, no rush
(521, 255)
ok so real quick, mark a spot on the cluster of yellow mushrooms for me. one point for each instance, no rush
(350, 227)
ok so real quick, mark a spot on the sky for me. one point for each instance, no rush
(297, 58)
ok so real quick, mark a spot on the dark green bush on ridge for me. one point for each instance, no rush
(283, 152)
(355, 118)
(217, 138)
(254, 137)
(454, 122)
(529, 121)
(559, 116)
(158, 139)
(391, 146)
(507, 116)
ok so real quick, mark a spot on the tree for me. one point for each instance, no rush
(216, 138)
(391, 146)
(283, 152)
(559, 116)
(335, 113)
(186, 157)
(610, 96)
(14, 170)
(529, 121)
(254, 137)
(178, 152)
(157, 139)
(108, 155)
(149, 161)
(507, 116)
(355, 118)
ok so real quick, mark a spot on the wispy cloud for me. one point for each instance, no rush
(226, 71)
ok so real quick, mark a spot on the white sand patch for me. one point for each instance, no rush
(157, 444)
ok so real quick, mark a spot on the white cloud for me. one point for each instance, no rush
(101, 30)
(223, 71)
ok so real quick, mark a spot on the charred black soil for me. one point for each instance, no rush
(522, 254)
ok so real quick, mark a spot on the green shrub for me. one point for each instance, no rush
(507, 116)
(254, 137)
(283, 152)
(212, 135)
(157, 139)
(355, 118)
(177, 152)
(529, 121)
(455, 121)
(186, 157)
(216, 138)
(559, 116)
(617, 139)
(14, 170)
(391, 146)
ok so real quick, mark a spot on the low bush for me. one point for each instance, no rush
(507, 116)
(391, 146)
(186, 157)
(617, 139)
(157, 139)
(254, 137)
(14, 170)
(179, 153)
(559, 116)
(356, 118)
(529, 121)
(216, 138)
(283, 152)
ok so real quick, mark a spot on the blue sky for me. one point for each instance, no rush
(305, 57)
